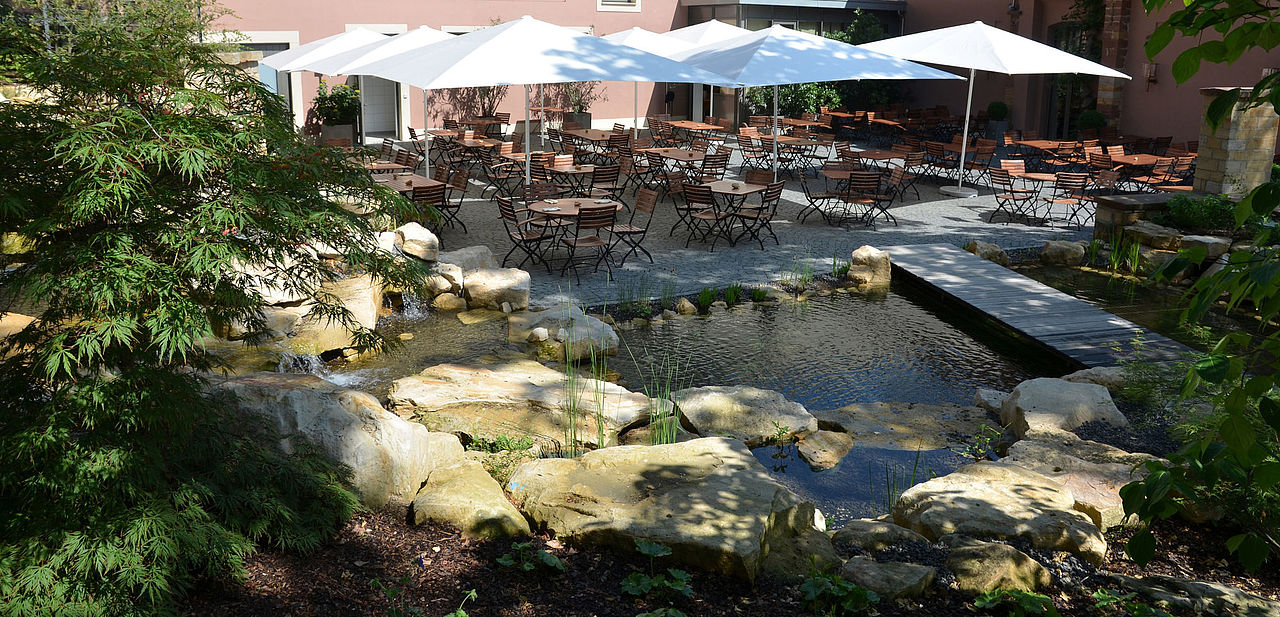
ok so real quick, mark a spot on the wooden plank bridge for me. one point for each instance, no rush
(1065, 324)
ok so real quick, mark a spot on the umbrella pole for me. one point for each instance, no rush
(959, 190)
(426, 126)
(635, 110)
(711, 102)
(360, 85)
(542, 116)
(526, 137)
(775, 133)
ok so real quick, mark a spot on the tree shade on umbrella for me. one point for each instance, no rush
(528, 51)
(705, 33)
(348, 62)
(296, 58)
(654, 43)
(780, 55)
(979, 47)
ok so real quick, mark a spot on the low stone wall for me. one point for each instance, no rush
(1115, 212)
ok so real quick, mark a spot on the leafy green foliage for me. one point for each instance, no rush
(997, 111)
(660, 586)
(152, 183)
(980, 446)
(337, 105)
(865, 27)
(470, 595)
(399, 600)
(1091, 119)
(523, 556)
(1112, 603)
(1232, 466)
(759, 294)
(1201, 213)
(828, 595)
(793, 99)
(1018, 603)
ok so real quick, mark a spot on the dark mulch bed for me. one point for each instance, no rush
(1148, 430)
(1187, 550)
(338, 579)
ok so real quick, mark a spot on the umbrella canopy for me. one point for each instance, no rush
(529, 51)
(705, 33)
(979, 47)
(652, 42)
(780, 55)
(986, 48)
(347, 62)
(293, 59)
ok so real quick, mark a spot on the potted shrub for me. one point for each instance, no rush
(580, 96)
(338, 109)
(997, 119)
(1091, 119)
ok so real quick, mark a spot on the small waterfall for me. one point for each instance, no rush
(413, 306)
(308, 364)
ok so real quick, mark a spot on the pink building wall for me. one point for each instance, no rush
(1160, 108)
(314, 19)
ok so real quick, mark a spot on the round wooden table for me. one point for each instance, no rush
(569, 207)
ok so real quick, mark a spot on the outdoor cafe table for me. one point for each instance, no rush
(1136, 160)
(381, 166)
(731, 195)
(800, 123)
(689, 159)
(1121, 140)
(405, 183)
(595, 136)
(578, 177)
(691, 125)
(879, 156)
(568, 208)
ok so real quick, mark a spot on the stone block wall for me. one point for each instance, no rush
(1115, 48)
(1237, 156)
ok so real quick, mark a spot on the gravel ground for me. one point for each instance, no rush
(932, 218)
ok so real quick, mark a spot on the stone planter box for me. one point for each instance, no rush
(1115, 212)
(583, 118)
(340, 131)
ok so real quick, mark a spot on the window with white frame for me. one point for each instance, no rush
(618, 5)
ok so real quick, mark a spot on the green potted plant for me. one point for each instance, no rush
(579, 97)
(1091, 119)
(338, 109)
(997, 119)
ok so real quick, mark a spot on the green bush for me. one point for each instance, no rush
(997, 111)
(1210, 212)
(793, 99)
(337, 105)
(1091, 119)
(706, 297)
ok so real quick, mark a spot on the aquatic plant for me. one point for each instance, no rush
(897, 480)
(706, 297)
(732, 294)
(1091, 253)
(501, 443)
(759, 294)
(658, 382)
(668, 298)
(839, 268)
(979, 447)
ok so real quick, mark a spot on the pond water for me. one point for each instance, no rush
(1143, 303)
(829, 352)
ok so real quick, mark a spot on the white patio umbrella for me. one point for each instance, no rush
(654, 43)
(348, 62)
(780, 55)
(979, 47)
(704, 33)
(296, 58)
(528, 51)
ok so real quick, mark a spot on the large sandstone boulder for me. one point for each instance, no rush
(824, 449)
(388, 456)
(1045, 402)
(511, 394)
(361, 295)
(891, 579)
(469, 258)
(1061, 253)
(492, 287)
(568, 333)
(418, 241)
(990, 500)
(905, 426)
(871, 534)
(870, 266)
(444, 278)
(980, 567)
(752, 415)
(271, 282)
(1214, 246)
(1093, 472)
(1109, 377)
(708, 499)
(988, 251)
(1154, 236)
(1197, 597)
(464, 495)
